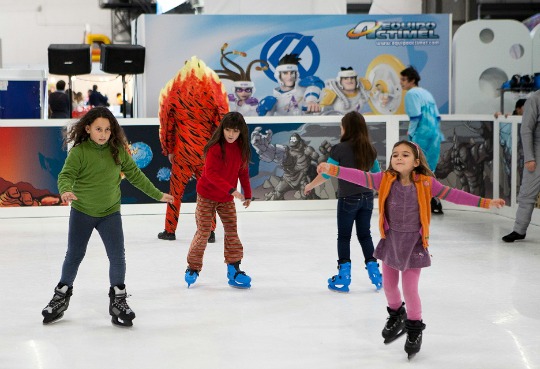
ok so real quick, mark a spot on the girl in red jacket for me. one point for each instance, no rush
(227, 156)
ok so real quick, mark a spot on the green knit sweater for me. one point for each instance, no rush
(92, 175)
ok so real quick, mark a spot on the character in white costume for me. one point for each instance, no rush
(292, 97)
(242, 100)
(346, 93)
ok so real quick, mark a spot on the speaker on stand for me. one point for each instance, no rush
(70, 60)
(122, 60)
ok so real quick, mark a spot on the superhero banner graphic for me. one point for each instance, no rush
(285, 158)
(301, 64)
(466, 159)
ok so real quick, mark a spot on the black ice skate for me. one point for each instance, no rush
(212, 237)
(58, 304)
(395, 324)
(436, 206)
(414, 337)
(121, 313)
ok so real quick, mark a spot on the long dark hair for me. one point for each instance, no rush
(356, 132)
(233, 120)
(422, 168)
(76, 133)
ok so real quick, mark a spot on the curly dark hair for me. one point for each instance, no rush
(76, 133)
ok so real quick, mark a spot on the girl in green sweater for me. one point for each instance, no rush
(90, 180)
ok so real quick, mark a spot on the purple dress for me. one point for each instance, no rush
(402, 248)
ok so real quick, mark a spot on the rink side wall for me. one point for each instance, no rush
(482, 145)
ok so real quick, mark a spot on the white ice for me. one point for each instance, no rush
(481, 299)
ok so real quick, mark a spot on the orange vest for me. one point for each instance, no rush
(423, 189)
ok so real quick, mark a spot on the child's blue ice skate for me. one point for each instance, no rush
(341, 282)
(237, 278)
(374, 274)
(191, 276)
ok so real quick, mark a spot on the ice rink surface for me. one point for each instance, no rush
(481, 299)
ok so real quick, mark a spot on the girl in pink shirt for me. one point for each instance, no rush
(405, 192)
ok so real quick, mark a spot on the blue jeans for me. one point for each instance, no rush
(112, 235)
(357, 210)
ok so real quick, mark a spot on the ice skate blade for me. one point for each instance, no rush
(117, 322)
(378, 285)
(239, 286)
(47, 322)
(392, 339)
(410, 356)
(344, 289)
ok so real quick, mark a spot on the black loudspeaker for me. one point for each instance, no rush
(70, 60)
(122, 59)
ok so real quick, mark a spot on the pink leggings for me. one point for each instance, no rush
(409, 283)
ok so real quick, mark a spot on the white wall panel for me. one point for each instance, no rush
(487, 53)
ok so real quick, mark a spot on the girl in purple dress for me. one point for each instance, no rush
(405, 192)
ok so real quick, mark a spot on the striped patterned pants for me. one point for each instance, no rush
(205, 211)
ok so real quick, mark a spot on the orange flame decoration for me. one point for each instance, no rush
(191, 105)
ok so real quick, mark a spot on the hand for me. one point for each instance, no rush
(308, 188)
(323, 168)
(238, 195)
(68, 197)
(247, 203)
(497, 203)
(530, 165)
(167, 198)
(251, 101)
(171, 158)
(325, 148)
(259, 140)
(313, 107)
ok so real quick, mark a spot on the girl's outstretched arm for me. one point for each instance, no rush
(463, 198)
(328, 169)
(357, 176)
(319, 180)
(497, 203)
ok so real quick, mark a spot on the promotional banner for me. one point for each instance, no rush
(300, 64)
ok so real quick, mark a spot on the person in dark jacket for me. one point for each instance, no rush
(59, 102)
(97, 99)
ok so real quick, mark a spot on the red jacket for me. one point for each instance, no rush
(220, 177)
